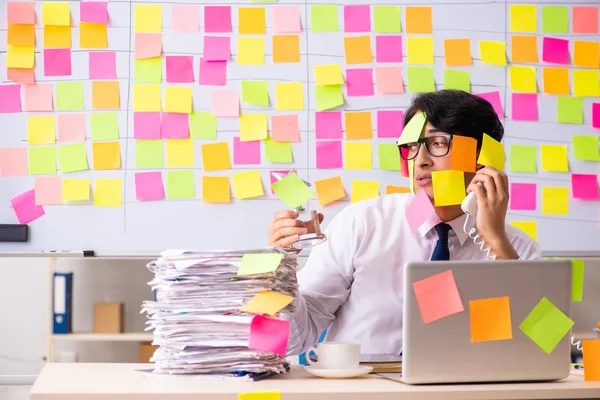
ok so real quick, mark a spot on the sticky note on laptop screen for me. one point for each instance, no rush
(492, 153)
(546, 325)
(464, 153)
(438, 297)
(490, 319)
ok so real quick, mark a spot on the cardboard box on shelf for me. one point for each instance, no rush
(108, 317)
(146, 350)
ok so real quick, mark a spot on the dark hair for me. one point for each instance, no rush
(458, 112)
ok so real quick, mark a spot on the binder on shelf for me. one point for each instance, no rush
(62, 302)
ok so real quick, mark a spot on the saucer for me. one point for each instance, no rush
(339, 373)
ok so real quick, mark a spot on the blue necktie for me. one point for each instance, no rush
(441, 251)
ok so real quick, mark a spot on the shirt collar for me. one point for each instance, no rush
(456, 224)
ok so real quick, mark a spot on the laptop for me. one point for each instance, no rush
(442, 351)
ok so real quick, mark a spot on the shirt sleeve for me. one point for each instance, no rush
(524, 245)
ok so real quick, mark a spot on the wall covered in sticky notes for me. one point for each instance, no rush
(139, 127)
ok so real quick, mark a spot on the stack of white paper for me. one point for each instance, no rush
(197, 318)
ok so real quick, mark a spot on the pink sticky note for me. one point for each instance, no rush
(103, 65)
(585, 186)
(146, 125)
(525, 106)
(438, 297)
(246, 152)
(284, 128)
(494, 99)
(25, 207)
(38, 97)
(10, 99)
(388, 48)
(185, 18)
(286, 19)
(225, 103)
(20, 12)
(57, 62)
(357, 19)
(585, 20)
(25, 76)
(71, 128)
(48, 190)
(217, 48)
(149, 186)
(389, 123)
(269, 334)
(389, 80)
(419, 210)
(523, 196)
(359, 82)
(596, 115)
(328, 125)
(180, 69)
(217, 19)
(555, 51)
(148, 45)
(13, 161)
(175, 125)
(94, 12)
(213, 73)
(329, 154)
(274, 179)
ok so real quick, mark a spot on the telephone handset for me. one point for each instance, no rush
(469, 206)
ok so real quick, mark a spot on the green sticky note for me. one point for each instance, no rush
(72, 157)
(555, 19)
(42, 161)
(387, 19)
(203, 125)
(278, 152)
(180, 185)
(457, 79)
(324, 18)
(148, 70)
(420, 79)
(586, 148)
(570, 110)
(149, 154)
(257, 263)
(411, 174)
(546, 325)
(412, 130)
(69, 96)
(292, 191)
(255, 92)
(577, 272)
(523, 158)
(105, 126)
(328, 97)
(389, 157)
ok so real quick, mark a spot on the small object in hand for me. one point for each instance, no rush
(313, 235)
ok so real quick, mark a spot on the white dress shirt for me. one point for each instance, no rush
(352, 283)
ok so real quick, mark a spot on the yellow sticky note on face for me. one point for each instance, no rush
(247, 184)
(107, 155)
(57, 37)
(523, 18)
(490, 319)
(492, 153)
(267, 302)
(56, 13)
(289, 96)
(75, 189)
(253, 127)
(586, 82)
(522, 79)
(493, 52)
(216, 189)
(251, 51)
(92, 36)
(180, 152)
(357, 50)
(178, 99)
(555, 200)
(146, 97)
(529, 227)
(448, 187)
(41, 130)
(358, 155)
(586, 54)
(554, 158)
(215, 156)
(556, 81)
(20, 56)
(363, 190)
(420, 50)
(108, 192)
(105, 95)
(148, 18)
(329, 190)
(328, 75)
(252, 21)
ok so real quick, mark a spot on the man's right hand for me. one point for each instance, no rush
(286, 229)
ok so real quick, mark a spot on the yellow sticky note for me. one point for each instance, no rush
(357, 50)
(555, 200)
(178, 99)
(363, 190)
(148, 18)
(522, 79)
(523, 18)
(586, 54)
(529, 227)
(75, 189)
(56, 13)
(492, 153)
(20, 56)
(180, 152)
(21, 34)
(41, 130)
(146, 97)
(586, 82)
(328, 74)
(216, 189)
(108, 192)
(554, 158)
(358, 125)
(247, 184)
(289, 96)
(358, 155)
(329, 190)
(448, 187)
(215, 156)
(251, 51)
(92, 36)
(493, 52)
(57, 37)
(490, 319)
(105, 95)
(420, 50)
(286, 48)
(107, 155)
(252, 21)
(267, 302)
(556, 81)
(253, 127)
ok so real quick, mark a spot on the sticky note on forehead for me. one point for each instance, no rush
(464, 153)
(492, 153)
(413, 129)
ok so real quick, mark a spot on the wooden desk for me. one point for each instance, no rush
(79, 381)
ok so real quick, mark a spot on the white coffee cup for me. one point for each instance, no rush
(335, 355)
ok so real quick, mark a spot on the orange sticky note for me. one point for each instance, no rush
(286, 48)
(358, 50)
(418, 20)
(107, 155)
(591, 359)
(390, 189)
(438, 297)
(21, 34)
(216, 189)
(251, 21)
(358, 125)
(92, 36)
(457, 52)
(105, 95)
(329, 190)
(267, 302)
(57, 37)
(586, 54)
(215, 156)
(448, 187)
(524, 49)
(364, 190)
(464, 153)
(556, 81)
(490, 319)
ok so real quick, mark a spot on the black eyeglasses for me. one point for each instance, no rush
(436, 146)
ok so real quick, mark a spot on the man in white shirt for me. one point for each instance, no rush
(352, 283)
